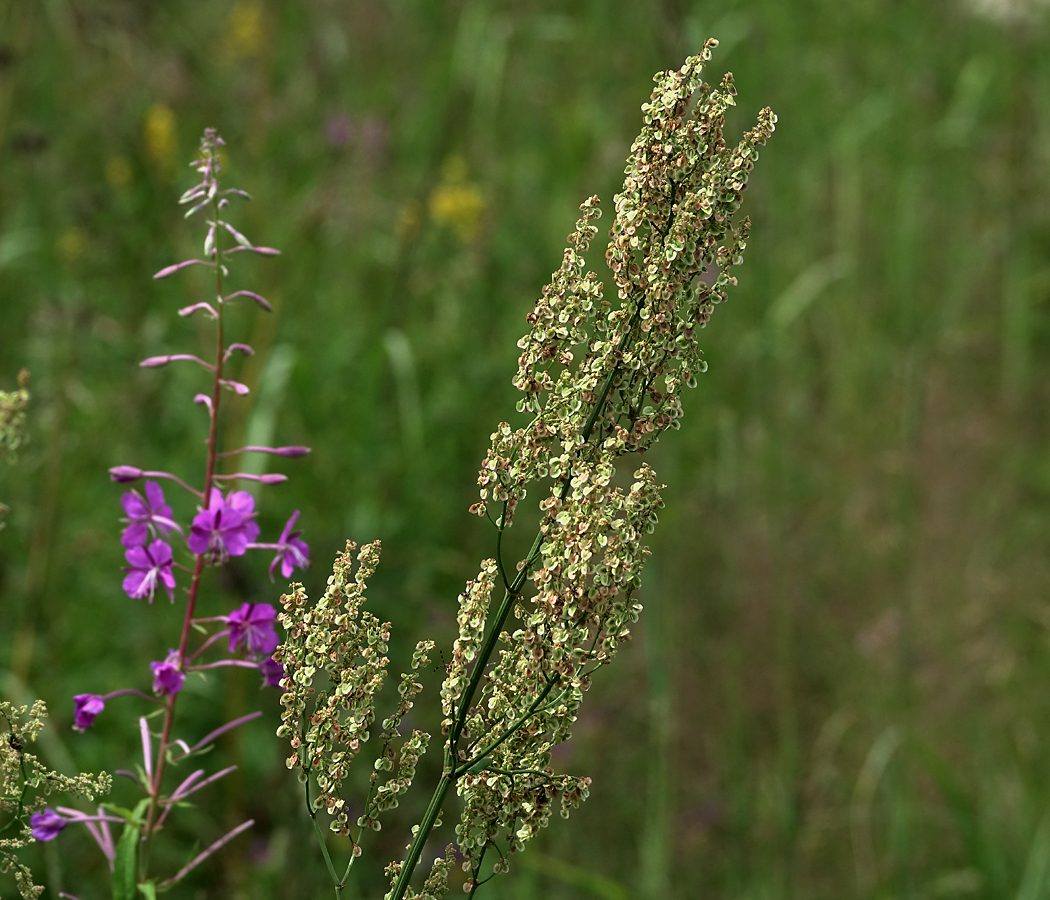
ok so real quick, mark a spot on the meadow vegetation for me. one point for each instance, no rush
(838, 685)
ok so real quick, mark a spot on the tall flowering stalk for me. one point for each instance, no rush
(599, 382)
(223, 527)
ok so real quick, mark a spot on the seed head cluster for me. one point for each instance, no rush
(672, 228)
(25, 782)
(338, 638)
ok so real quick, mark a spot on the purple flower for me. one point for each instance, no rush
(339, 130)
(168, 675)
(272, 672)
(225, 528)
(85, 708)
(148, 566)
(145, 515)
(252, 625)
(46, 825)
(291, 551)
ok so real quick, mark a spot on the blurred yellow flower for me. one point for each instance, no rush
(72, 244)
(158, 134)
(118, 172)
(456, 202)
(245, 36)
(408, 219)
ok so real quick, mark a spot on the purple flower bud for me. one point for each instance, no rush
(262, 301)
(171, 270)
(168, 676)
(243, 348)
(290, 452)
(272, 478)
(85, 708)
(47, 825)
(251, 624)
(272, 672)
(262, 251)
(155, 362)
(124, 474)
(190, 310)
(237, 236)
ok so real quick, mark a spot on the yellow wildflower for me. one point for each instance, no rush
(456, 202)
(246, 34)
(158, 134)
(118, 172)
(72, 244)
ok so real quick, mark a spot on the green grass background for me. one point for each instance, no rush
(840, 685)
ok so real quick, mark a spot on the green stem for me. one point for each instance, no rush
(337, 883)
(425, 827)
(452, 769)
(481, 754)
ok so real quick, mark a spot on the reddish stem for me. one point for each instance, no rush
(191, 603)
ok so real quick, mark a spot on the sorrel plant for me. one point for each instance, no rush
(600, 382)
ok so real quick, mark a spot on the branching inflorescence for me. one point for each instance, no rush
(25, 784)
(12, 423)
(512, 692)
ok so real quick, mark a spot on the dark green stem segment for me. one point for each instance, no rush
(453, 769)
(451, 772)
(337, 883)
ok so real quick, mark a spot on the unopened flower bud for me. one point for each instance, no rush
(125, 474)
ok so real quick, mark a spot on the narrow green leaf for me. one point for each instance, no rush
(138, 814)
(124, 864)
(149, 890)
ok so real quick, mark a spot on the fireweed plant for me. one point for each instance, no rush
(512, 691)
(154, 543)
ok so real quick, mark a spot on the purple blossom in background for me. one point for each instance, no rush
(146, 514)
(252, 625)
(168, 675)
(47, 825)
(226, 526)
(85, 708)
(375, 135)
(149, 565)
(339, 130)
(272, 672)
(291, 551)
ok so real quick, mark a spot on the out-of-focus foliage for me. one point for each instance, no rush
(840, 690)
